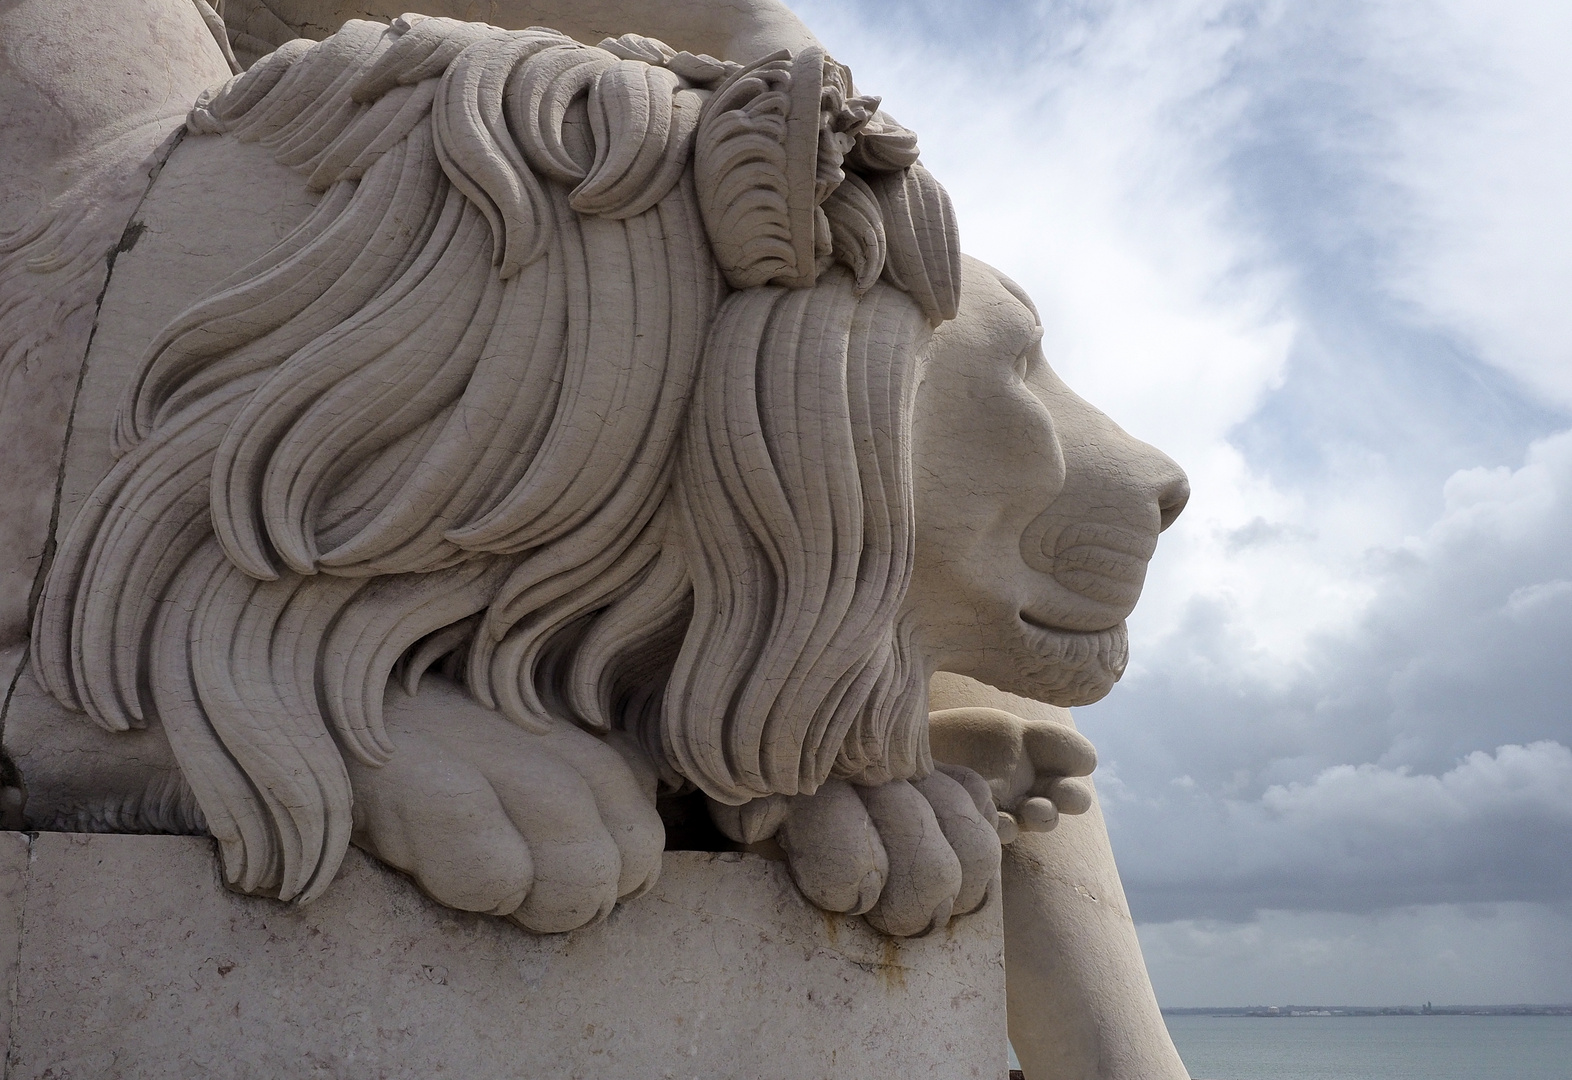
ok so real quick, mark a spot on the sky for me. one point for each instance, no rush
(1321, 254)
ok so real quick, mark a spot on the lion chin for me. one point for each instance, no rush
(1071, 667)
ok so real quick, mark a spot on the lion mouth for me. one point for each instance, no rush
(1078, 656)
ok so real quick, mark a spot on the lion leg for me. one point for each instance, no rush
(626, 810)
(456, 840)
(91, 91)
(70, 775)
(969, 827)
(925, 874)
(1080, 1002)
(909, 855)
(833, 849)
(550, 830)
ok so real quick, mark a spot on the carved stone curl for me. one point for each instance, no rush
(620, 419)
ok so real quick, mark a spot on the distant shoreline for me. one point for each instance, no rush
(1277, 1011)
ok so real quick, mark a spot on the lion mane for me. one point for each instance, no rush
(589, 380)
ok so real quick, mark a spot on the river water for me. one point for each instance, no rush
(1375, 1047)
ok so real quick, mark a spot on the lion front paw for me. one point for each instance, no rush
(909, 855)
(1030, 766)
(549, 830)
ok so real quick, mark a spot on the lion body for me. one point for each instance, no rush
(274, 501)
(392, 377)
(195, 226)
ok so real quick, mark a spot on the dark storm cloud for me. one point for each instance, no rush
(1453, 695)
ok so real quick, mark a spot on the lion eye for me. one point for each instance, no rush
(1030, 358)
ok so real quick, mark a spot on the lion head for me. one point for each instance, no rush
(607, 379)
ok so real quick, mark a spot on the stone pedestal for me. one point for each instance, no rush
(126, 958)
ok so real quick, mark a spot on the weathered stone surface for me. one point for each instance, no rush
(136, 962)
(636, 394)
(218, 232)
(89, 90)
(1081, 1004)
(380, 403)
(13, 894)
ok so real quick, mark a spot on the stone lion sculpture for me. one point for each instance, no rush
(602, 421)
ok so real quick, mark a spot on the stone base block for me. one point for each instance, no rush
(135, 962)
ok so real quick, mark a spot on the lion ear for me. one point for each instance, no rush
(750, 132)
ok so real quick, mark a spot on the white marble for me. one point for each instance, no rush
(722, 971)
(643, 394)
(89, 90)
(14, 851)
(485, 429)
(1081, 1003)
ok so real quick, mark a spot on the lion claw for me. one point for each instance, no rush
(908, 855)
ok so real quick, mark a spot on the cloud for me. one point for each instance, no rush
(1080, 144)
(1319, 253)
(1349, 775)
(1362, 838)
(1488, 161)
(1517, 783)
(1455, 954)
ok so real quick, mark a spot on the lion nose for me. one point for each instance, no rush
(1155, 478)
(1172, 497)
